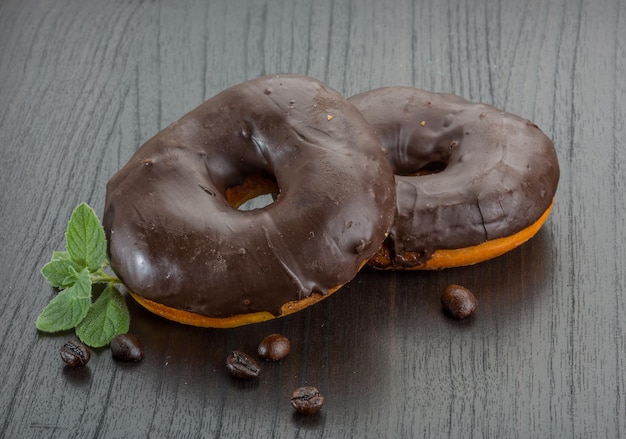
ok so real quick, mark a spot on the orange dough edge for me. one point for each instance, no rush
(450, 258)
(194, 319)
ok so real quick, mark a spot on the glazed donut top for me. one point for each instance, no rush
(465, 172)
(174, 238)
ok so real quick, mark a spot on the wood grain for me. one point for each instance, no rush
(84, 83)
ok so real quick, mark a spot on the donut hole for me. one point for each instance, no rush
(258, 202)
(429, 168)
(255, 192)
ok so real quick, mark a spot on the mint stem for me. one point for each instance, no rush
(102, 278)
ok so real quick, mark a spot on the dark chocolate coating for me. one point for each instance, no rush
(174, 239)
(500, 172)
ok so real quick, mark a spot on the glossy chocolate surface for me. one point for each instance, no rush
(482, 173)
(174, 239)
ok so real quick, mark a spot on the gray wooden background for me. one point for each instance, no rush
(84, 83)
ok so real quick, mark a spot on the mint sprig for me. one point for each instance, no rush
(74, 272)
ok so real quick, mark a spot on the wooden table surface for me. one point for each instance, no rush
(84, 83)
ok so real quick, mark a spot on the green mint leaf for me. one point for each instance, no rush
(107, 317)
(69, 307)
(60, 255)
(60, 271)
(86, 243)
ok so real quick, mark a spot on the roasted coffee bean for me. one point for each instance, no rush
(75, 354)
(126, 347)
(242, 366)
(307, 400)
(274, 347)
(458, 301)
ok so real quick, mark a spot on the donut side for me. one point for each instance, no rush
(203, 321)
(449, 258)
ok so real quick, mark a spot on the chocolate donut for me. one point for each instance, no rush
(472, 181)
(183, 249)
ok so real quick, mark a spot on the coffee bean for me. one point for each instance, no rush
(458, 301)
(274, 347)
(75, 354)
(307, 400)
(242, 366)
(126, 347)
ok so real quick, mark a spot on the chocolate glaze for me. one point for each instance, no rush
(174, 239)
(489, 173)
